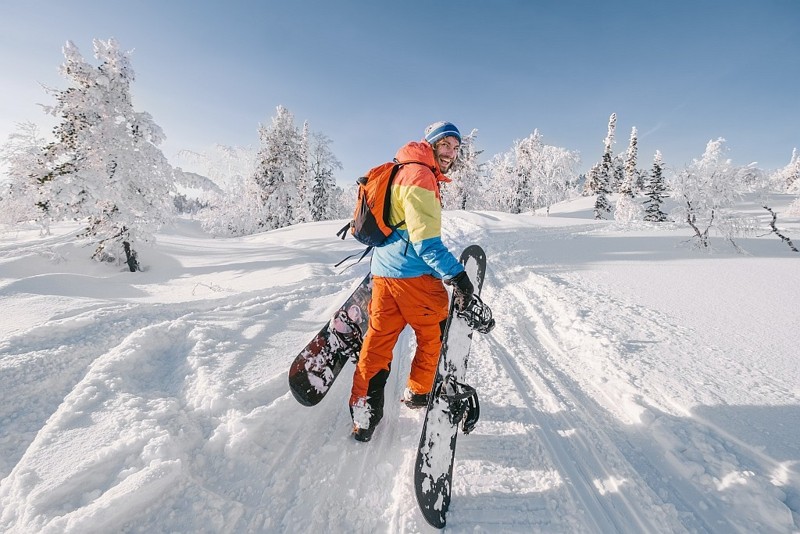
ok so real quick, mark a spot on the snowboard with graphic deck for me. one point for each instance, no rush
(316, 367)
(451, 403)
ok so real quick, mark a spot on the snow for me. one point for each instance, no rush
(632, 385)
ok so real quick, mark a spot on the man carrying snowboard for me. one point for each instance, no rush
(407, 280)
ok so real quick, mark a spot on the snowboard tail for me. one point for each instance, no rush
(452, 403)
(315, 369)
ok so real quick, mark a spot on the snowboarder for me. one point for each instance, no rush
(407, 280)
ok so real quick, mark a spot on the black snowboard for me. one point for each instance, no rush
(316, 367)
(447, 407)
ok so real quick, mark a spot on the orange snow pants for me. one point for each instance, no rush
(420, 302)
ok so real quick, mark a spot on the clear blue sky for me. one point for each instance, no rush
(372, 74)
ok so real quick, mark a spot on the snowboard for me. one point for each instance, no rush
(451, 403)
(314, 370)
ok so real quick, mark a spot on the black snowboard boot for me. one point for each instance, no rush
(415, 401)
(368, 412)
(362, 434)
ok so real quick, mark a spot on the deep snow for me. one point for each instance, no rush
(632, 385)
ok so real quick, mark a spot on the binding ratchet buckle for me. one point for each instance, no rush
(464, 406)
(477, 315)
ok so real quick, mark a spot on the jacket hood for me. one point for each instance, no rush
(422, 152)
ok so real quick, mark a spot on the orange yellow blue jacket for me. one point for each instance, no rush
(416, 247)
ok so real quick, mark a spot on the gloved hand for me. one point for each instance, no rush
(462, 290)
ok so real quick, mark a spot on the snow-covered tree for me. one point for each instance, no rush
(788, 178)
(279, 170)
(630, 179)
(709, 189)
(522, 190)
(655, 189)
(221, 174)
(323, 194)
(302, 200)
(627, 209)
(288, 181)
(593, 180)
(617, 173)
(791, 176)
(104, 166)
(464, 189)
(533, 175)
(794, 207)
(22, 198)
(601, 177)
(239, 211)
(769, 188)
(557, 175)
(500, 174)
(602, 206)
(773, 224)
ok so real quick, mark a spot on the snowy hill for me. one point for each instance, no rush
(632, 385)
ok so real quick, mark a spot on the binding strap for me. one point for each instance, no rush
(463, 404)
(351, 340)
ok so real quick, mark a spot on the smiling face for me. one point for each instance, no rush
(445, 151)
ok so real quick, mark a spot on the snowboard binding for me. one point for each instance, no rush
(348, 333)
(462, 400)
(477, 315)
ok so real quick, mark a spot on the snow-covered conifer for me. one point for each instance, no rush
(655, 189)
(602, 205)
(302, 200)
(323, 193)
(617, 173)
(592, 181)
(104, 166)
(289, 180)
(602, 175)
(630, 179)
(279, 168)
(627, 209)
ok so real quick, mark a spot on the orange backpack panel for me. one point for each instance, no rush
(370, 224)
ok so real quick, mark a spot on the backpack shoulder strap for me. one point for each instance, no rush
(413, 161)
(366, 251)
(397, 165)
(387, 204)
